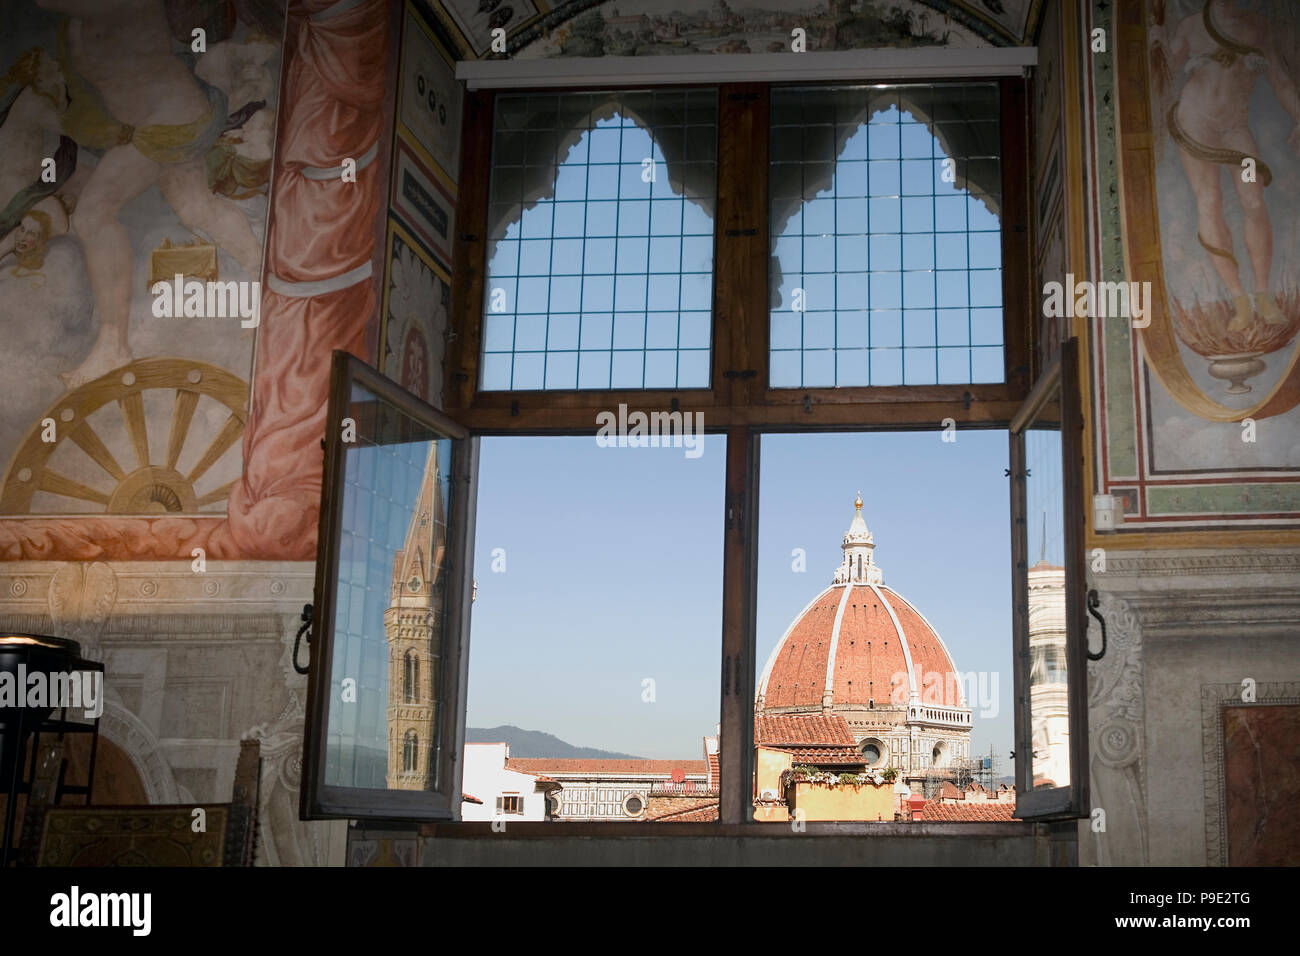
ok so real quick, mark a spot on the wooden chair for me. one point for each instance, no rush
(224, 834)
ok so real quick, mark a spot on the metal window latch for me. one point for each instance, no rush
(734, 510)
(297, 640)
(1094, 602)
(740, 373)
(807, 404)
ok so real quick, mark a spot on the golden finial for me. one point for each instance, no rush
(858, 501)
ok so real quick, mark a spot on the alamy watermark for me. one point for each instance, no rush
(1085, 299)
(979, 689)
(42, 690)
(639, 429)
(208, 300)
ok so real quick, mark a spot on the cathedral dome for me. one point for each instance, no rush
(859, 645)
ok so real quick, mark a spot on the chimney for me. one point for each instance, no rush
(916, 803)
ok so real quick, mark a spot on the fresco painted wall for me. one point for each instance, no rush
(422, 210)
(589, 28)
(1200, 408)
(193, 432)
(161, 165)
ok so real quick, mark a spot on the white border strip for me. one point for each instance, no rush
(927, 63)
(309, 290)
(771, 658)
(336, 172)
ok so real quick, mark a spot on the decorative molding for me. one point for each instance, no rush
(1214, 697)
(139, 744)
(1220, 593)
(1183, 564)
(1116, 734)
(99, 597)
(853, 65)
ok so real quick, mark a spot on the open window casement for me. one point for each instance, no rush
(1049, 620)
(389, 654)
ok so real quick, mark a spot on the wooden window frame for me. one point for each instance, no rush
(739, 404)
(1059, 383)
(317, 799)
(738, 393)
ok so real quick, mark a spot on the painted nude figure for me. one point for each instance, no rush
(1223, 51)
(32, 209)
(132, 97)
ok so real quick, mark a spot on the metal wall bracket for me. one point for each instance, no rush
(1094, 601)
(297, 640)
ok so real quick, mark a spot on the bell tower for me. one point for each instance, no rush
(413, 626)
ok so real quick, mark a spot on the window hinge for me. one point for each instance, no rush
(726, 676)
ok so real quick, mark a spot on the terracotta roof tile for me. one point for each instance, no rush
(802, 730)
(825, 756)
(466, 798)
(968, 812)
(704, 812)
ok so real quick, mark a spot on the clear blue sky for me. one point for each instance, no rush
(613, 572)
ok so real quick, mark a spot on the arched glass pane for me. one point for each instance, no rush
(885, 236)
(600, 241)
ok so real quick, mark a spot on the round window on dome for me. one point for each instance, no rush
(873, 751)
(633, 804)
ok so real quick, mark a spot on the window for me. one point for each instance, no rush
(398, 486)
(597, 624)
(600, 252)
(510, 803)
(633, 805)
(885, 236)
(885, 630)
(507, 365)
(410, 675)
(1050, 621)
(410, 750)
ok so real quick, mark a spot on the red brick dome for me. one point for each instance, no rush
(859, 644)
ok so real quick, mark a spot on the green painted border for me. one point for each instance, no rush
(1271, 498)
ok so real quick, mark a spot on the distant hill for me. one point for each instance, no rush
(535, 743)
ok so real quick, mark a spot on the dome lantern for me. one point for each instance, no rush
(859, 565)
